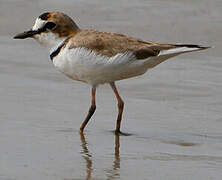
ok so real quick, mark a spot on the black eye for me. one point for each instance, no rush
(50, 26)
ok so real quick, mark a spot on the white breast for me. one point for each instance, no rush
(84, 65)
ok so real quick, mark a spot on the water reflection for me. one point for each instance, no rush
(87, 156)
(110, 173)
(114, 172)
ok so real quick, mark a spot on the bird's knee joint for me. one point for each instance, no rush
(92, 108)
(121, 104)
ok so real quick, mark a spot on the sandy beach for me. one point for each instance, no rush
(174, 112)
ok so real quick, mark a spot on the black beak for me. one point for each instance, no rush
(26, 34)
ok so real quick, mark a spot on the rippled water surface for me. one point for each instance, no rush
(173, 112)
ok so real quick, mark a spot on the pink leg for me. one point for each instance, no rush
(120, 107)
(91, 109)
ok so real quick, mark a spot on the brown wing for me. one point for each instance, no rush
(110, 44)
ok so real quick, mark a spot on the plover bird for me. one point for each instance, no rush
(95, 57)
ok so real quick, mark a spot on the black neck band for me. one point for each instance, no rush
(56, 51)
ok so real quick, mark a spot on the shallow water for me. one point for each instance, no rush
(173, 112)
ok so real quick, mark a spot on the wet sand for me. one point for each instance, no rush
(174, 112)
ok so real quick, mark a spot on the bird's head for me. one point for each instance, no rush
(50, 29)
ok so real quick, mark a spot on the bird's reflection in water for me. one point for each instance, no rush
(114, 172)
(111, 173)
(87, 156)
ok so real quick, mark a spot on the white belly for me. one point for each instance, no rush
(84, 65)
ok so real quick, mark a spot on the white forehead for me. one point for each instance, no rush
(39, 23)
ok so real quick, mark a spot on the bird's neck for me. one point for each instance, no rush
(50, 41)
(54, 46)
(56, 51)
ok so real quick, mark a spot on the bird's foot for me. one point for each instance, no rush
(119, 133)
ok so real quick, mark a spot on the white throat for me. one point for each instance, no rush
(49, 40)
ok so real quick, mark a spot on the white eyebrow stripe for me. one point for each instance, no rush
(39, 23)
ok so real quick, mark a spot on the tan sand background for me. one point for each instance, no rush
(174, 112)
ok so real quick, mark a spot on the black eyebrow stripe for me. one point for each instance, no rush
(44, 16)
(56, 52)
